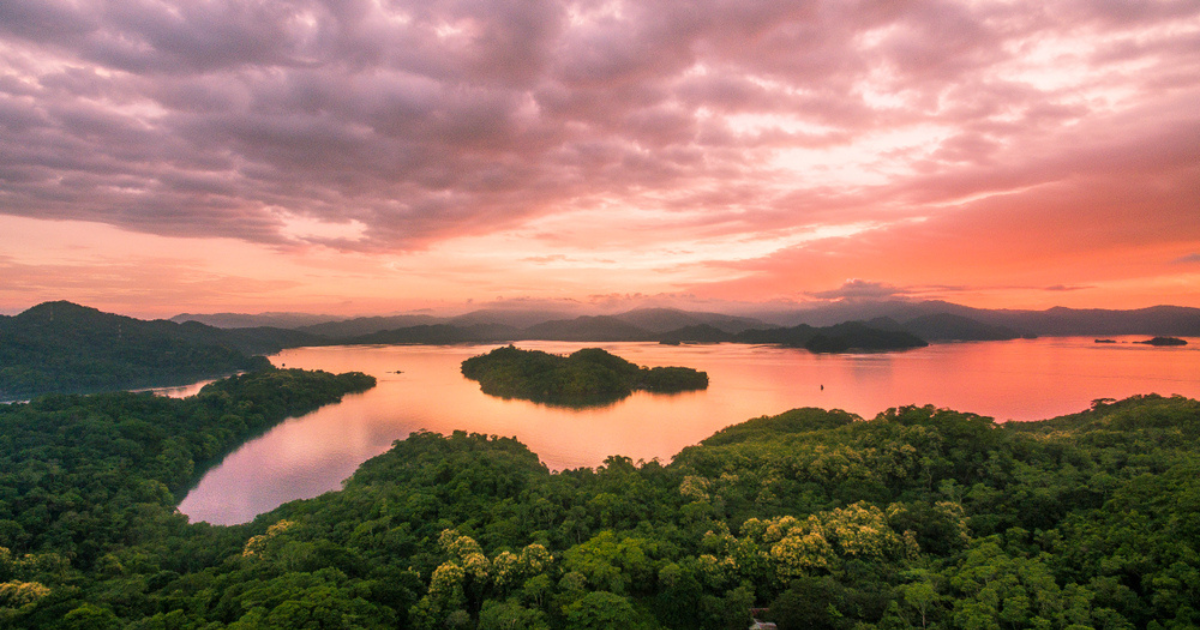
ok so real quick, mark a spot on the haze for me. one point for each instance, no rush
(352, 157)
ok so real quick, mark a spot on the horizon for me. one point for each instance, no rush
(370, 158)
(570, 310)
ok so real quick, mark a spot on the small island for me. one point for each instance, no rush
(1163, 341)
(588, 377)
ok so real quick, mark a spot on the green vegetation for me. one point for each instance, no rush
(82, 476)
(590, 376)
(919, 518)
(64, 347)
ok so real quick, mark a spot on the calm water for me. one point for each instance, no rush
(1011, 380)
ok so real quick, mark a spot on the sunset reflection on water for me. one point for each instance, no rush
(1012, 380)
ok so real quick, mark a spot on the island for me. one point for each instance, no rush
(588, 377)
(1163, 341)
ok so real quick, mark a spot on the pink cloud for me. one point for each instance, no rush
(424, 122)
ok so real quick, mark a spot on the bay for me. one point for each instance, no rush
(421, 388)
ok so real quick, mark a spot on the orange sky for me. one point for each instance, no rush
(364, 157)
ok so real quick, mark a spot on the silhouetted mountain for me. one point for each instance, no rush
(1058, 321)
(510, 317)
(1156, 320)
(839, 312)
(65, 347)
(948, 327)
(659, 320)
(246, 320)
(838, 338)
(700, 333)
(438, 334)
(601, 328)
(885, 323)
(858, 336)
(360, 326)
(258, 340)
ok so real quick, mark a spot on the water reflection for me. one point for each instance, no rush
(177, 391)
(1018, 380)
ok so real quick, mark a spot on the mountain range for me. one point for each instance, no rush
(933, 320)
(60, 346)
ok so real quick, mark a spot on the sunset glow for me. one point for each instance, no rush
(377, 156)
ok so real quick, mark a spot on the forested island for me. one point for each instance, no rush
(919, 517)
(1164, 341)
(590, 376)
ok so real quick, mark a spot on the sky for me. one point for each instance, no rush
(377, 156)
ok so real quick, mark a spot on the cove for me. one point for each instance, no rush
(421, 388)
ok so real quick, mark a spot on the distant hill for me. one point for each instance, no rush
(1059, 321)
(258, 340)
(1157, 320)
(245, 320)
(600, 328)
(438, 334)
(660, 320)
(837, 338)
(65, 347)
(949, 327)
(359, 326)
(517, 318)
(700, 333)
(858, 336)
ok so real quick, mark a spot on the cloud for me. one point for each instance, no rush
(543, 260)
(1063, 287)
(948, 137)
(855, 289)
(1190, 258)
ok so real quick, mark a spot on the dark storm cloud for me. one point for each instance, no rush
(427, 120)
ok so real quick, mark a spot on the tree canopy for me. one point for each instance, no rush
(590, 376)
(918, 517)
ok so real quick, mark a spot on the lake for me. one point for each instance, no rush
(420, 387)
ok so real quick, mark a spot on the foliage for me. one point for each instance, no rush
(590, 376)
(83, 477)
(918, 518)
(64, 347)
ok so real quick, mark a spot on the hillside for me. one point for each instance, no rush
(439, 334)
(919, 517)
(662, 320)
(949, 327)
(699, 333)
(65, 347)
(837, 338)
(361, 326)
(1059, 321)
(585, 328)
(254, 320)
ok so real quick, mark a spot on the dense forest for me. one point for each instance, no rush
(917, 518)
(589, 376)
(65, 347)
